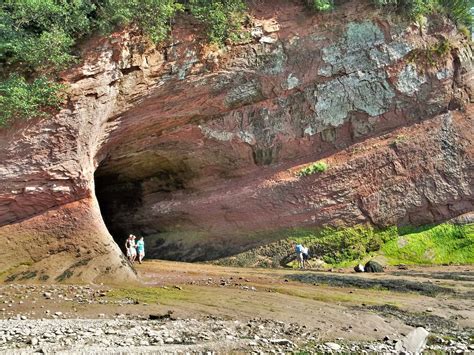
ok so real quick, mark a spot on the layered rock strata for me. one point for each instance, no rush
(198, 149)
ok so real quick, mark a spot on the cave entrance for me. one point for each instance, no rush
(118, 202)
(127, 193)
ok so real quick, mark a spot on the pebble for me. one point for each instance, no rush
(333, 346)
(104, 335)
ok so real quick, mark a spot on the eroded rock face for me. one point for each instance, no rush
(198, 150)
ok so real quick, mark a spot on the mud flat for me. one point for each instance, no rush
(183, 307)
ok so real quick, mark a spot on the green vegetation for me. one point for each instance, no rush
(149, 294)
(345, 247)
(38, 39)
(223, 19)
(318, 167)
(20, 99)
(458, 10)
(151, 16)
(442, 244)
(432, 55)
(342, 246)
(323, 5)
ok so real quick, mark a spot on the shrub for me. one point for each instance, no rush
(458, 10)
(318, 167)
(37, 40)
(151, 16)
(38, 35)
(320, 5)
(223, 18)
(22, 99)
(323, 5)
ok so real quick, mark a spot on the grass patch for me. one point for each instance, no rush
(426, 245)
(318, 167)
(149, 295)
(341, 247)
(441, 244)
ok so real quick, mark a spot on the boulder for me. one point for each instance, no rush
(414, 342)
(373, 266)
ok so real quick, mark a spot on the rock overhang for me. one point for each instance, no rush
(191, 154)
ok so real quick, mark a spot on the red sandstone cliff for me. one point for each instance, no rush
(197, 150)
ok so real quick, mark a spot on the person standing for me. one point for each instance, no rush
(133, 250)
(141, 249)
(305, 255)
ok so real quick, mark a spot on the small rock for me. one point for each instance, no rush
(33, 341)
(267, 40)
(281, 341)
(271, 26)
(256, 32)
(333, 346)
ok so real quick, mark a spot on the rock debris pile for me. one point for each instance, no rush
(130, 335)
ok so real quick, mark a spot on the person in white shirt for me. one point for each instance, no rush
(133, 249)
(305, 254)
